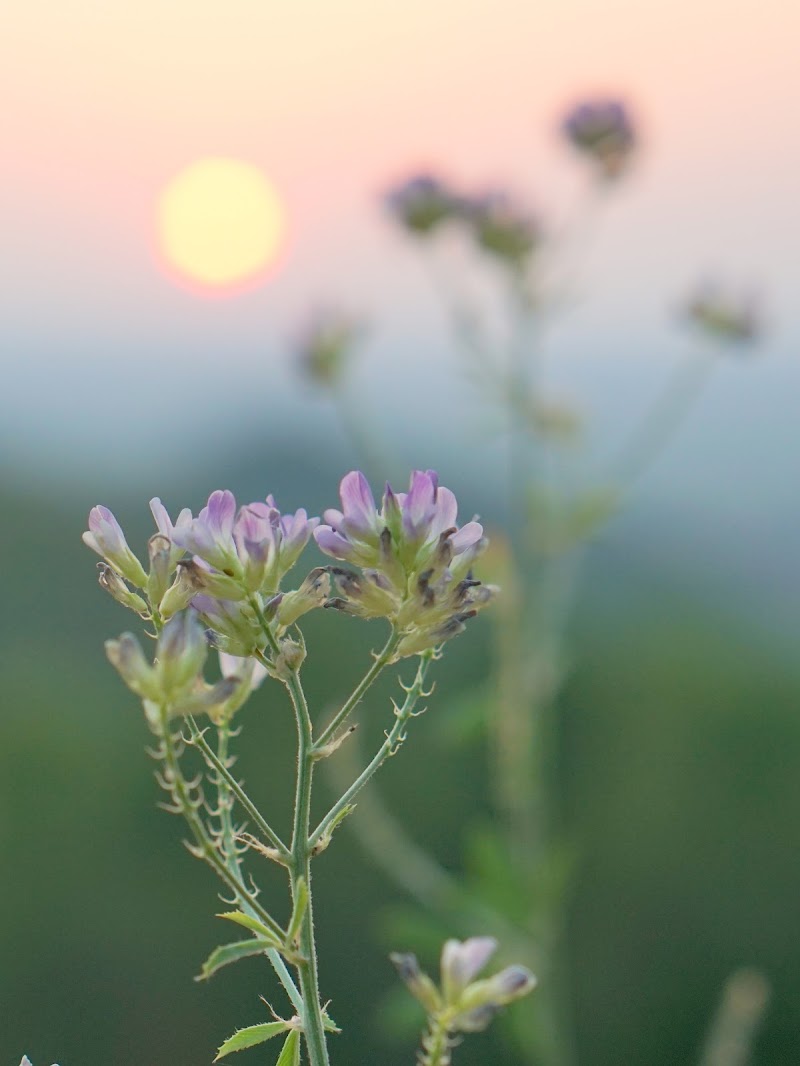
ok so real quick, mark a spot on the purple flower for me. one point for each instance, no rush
(415, 561)
(413, 529)
(210, 535)
(602, 130)
(462, 961)
(105, 537)
(165, 526)
(422, 204)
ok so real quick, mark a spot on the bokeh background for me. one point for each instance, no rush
(679, 728)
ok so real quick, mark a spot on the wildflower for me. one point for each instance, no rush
(105, 537)
(174, 681)
(723, 316)
(167, 529)
(603, 131)
(422, 204)
(254, 548)
(460, 1003)
(502, 228)
(414, 560)
(326, 346)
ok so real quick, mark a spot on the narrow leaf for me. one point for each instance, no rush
(228, 953)
(253, 924)
(250, 1037)
(290, 1055)
(299, 911)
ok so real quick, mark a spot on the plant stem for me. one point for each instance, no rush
(436, 1044)
(226, 779)
(394, 738)
(381, 660)
(229, 843)
(205, 846)
(300, 867)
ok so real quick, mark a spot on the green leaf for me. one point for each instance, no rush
(228, 953)
(250, 1037)
(252, 924)
(290, 1054)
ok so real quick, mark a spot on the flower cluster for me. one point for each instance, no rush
(461, 1004)
(413, 561)
(217, 577)
(226, 590)
(604, 132)
(423, 203)
(502, 228)
(499, 227)
(723, 316)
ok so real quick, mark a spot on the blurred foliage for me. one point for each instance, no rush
(679, 739)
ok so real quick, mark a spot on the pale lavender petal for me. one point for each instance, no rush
(358, 503)
(107, 531)
(446, 511)
(468, 535)
(419, 506)
(162, 519)
(333, 517)
(461, 962)
(220, 512)
(333, 543)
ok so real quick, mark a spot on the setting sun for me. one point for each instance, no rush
(220, 223)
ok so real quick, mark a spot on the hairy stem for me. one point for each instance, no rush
(205, 847)
(394, 738)
(300, 868)
(358, 693)
(224, 793)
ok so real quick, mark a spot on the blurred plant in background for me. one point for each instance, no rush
(515, 884)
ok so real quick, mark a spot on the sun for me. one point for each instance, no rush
(221, 223)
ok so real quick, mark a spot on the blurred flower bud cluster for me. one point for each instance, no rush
(723, 316)
(326, 345)
(413, 561)
(604, 133)
(461, 1003)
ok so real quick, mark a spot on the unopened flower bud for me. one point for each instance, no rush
(159, 550)
(105, 537)
(313, 592)
(110, 580)
(179, 595)
(180, 653)
(417, 981)
(127, 657)
(290, 659)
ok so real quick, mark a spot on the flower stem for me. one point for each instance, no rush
(394, 738)
(205, 848)
(227, 781)
(300, 868)
(436, 1044)
(229, 843)
(381, 660)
